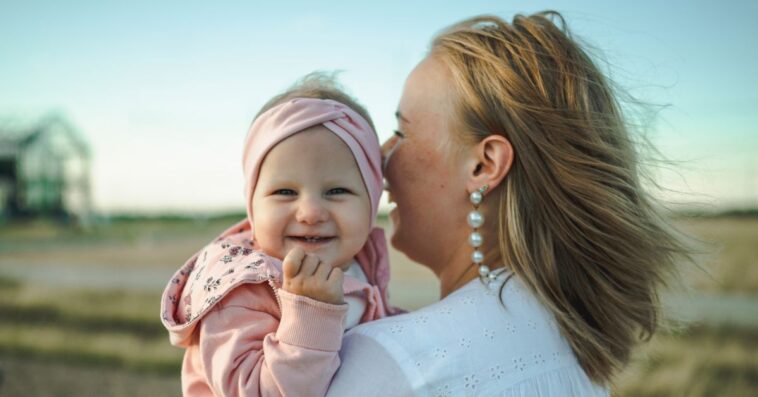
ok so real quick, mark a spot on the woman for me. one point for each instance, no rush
(548, 295)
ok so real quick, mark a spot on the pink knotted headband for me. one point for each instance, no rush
(295, 115)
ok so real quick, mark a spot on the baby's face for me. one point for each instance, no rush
(310, 194)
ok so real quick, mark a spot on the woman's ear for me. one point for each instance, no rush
(494, 157)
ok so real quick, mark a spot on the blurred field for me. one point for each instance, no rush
(698, 361)
(730, 254)
(61, 335)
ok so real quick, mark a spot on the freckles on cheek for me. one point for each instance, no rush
(415, 167)
(425, 156)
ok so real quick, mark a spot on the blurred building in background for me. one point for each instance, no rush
(44, 169)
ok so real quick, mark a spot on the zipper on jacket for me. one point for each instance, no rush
(276, 293)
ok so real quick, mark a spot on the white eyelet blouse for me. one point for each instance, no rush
(468, 344)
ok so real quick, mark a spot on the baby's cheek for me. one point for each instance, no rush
(278, 251)
(359, 237)
(268, 245)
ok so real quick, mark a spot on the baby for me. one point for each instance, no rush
(262, 309)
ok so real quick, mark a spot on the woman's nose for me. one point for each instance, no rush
(388, 147)
(311, 211)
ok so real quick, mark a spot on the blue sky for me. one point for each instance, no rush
(165, 92)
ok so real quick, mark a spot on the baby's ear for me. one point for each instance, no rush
(493, 158)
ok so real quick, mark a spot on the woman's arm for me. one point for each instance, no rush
(368, 369)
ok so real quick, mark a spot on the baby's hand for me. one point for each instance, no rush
(306, 275)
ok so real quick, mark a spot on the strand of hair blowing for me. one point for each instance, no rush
(575, 223)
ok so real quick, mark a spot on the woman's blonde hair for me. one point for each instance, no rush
(575, 223)
(319, 85)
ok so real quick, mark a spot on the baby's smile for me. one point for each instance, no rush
(312, 240)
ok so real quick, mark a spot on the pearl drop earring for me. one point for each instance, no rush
(475, 239)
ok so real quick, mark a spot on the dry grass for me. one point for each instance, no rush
(119, 244)
(700, 361)
(104, 328)
(729, 250)
(42, 378)
(86, 306)
(93, 342)
(730, 254)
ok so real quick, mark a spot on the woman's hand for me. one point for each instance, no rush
(306, 275)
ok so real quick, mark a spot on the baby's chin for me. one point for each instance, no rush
(341, 262)
(344, 265)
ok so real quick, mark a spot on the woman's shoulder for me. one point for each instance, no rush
(477, 316)
(473, 340)
(475, 305)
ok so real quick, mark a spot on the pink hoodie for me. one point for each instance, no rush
(244, 336)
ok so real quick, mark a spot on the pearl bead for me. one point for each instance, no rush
(476, 197)
(475, 239)
(475, 219)
(477, 256)
(484, 270)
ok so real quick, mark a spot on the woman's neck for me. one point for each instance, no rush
(460, 270)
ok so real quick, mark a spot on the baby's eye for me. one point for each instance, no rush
(284, 192)
(338, 190)
(398, 133)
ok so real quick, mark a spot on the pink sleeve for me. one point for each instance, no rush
(246, 351)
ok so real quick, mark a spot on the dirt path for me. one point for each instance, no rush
(407, 292)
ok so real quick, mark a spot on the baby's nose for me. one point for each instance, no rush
(311, 211)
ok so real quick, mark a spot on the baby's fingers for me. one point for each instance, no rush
(310, 264)
(334, 284)
(321, 273)
(336, 277)
(292, 263)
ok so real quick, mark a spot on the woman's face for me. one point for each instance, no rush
(424, 178)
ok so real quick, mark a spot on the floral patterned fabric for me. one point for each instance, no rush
(232, 260)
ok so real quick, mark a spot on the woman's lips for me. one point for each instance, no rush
(394, 216)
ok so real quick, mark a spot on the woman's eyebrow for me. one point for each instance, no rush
(400, 117)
